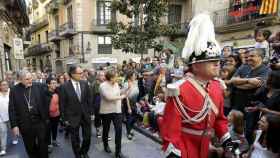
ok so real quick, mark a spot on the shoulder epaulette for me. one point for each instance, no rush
(173, 89)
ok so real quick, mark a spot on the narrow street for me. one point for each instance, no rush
(140, 147)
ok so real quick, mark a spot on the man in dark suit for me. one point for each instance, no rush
(28, 115)
(76, 110)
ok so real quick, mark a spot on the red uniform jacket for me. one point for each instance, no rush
(172, 127)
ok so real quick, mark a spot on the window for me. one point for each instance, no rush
(104, 13)
(174, 14)
(7, 56)
(47, 37)
(48, 61)
(56, 22)
(70, 15)
(7, 61)
(88, 49)
(39, 39)
(71, 46)
(28, 62)
(136, 19)
(104, 45)
(57, 50)
(34, 63)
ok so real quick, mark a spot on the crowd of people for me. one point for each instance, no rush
(250, 79)
(36, 105)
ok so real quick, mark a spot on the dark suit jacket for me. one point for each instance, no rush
(71, 108)
(18, 109)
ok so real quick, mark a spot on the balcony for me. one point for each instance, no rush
(101, 26)
(232, 20)
(53, 36)
(53, 6)
(38, 49)
(67, 29)
(14, 13)
(39, 23)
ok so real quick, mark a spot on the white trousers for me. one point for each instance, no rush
(3, 134)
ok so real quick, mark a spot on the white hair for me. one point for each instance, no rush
(22, 74)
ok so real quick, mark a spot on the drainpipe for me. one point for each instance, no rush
(83, 53)
(2, 71)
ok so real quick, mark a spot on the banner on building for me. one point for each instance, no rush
(18, 48)
(269, 7)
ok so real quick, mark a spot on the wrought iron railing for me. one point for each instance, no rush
(39, 20)
(101, 22)
(182, 27)
(238, 14)
(39, 49)
(54, 33)
(65, 26)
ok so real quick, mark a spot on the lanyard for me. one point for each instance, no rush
(28, 100)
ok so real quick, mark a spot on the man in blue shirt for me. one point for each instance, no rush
(245, 82)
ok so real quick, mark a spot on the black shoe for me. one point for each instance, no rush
(66, 136)
(78, 156)
(55, 143)
(132, 133)
(120, 155)
(84, 156)
(50, 148)
(107, 149)
(98, 133)
(60, 130)
(129, 136)
(109, 138)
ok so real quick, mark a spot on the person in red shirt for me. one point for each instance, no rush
(195, 104)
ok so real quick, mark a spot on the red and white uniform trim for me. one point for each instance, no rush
(189, 118)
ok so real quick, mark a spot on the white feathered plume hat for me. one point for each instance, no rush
(201, 45)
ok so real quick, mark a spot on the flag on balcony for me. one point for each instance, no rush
(269, 6)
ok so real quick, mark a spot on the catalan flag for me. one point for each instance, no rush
(269, 6)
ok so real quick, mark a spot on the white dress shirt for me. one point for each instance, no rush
(4, 106)
(76, 87)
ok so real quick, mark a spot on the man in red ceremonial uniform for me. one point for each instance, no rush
(195, 104)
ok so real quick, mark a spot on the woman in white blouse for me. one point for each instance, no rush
(111, 110)
(4, 115)
(267, 138)
(129, 106)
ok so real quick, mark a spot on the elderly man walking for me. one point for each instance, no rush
(29, 115)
